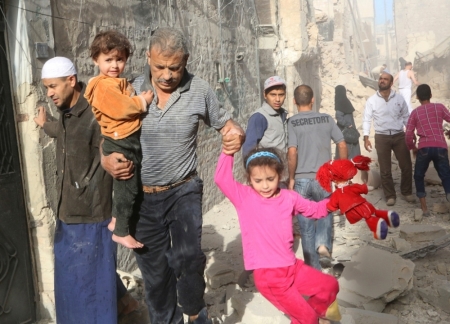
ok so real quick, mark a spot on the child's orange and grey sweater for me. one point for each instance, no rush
(115, 107)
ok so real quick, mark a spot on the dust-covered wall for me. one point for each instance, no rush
(287, 41)
(423, 37)
(420, 25)
(222, 51)
(221, 44)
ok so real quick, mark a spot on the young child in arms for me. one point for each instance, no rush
(118, 112)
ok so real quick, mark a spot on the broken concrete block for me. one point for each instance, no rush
(371, 178)
(400, 244)
(254, 308)
(230, 291)
(374, 179)
(418, 214)
(369, 317)
(218, 274)
(432, 177)
(347, 319)
(421, 233)
(441, 268)
(374, 278)
(440, 208)
(437, 295)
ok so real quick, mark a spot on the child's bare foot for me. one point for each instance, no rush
(127, 241)
(112, 224)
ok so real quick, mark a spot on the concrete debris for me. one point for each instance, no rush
(254, 308)
(369, 317)
(321, 17)
(432, 177)
(438, 294)
(431, 247)
(218, 274)
(230, 291)
(347, 319)
(418, 214)
(440, 208)
(421, 233)
(374, 278)
(373, 178)
(400, 244)
(441, 268)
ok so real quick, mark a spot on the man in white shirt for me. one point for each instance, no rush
(389, 113)
(405, 79)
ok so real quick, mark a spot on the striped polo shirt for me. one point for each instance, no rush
(169, 135)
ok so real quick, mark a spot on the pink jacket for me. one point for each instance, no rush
(266, 223)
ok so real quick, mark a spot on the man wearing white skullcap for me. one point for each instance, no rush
(85, 278)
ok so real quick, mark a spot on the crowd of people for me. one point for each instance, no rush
(126, 162)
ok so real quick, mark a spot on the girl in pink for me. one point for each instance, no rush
(265, 216)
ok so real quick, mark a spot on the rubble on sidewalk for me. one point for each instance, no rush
(374, 278)
(254, 308)
(421, 233)
(367, 317)
(218, 274)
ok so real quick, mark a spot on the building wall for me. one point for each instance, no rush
(223, 52)
(416, 18)
(290, 48)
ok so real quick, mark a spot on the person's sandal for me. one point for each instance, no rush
(202, 318)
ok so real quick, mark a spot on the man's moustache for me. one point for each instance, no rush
(164, 80)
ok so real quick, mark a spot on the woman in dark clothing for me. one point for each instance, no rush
(344, 117)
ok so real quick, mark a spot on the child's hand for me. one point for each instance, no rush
(148, 96)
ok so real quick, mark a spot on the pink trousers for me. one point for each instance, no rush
(286, 287)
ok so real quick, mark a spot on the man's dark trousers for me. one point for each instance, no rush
(385, 144)
(172, 262)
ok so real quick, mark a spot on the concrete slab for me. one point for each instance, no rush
(369, 317)
(373, 278)
(438, 295)
(421, 233)
(218, 274)
(254, 308)
(400, 244)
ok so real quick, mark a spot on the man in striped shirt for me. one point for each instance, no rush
(170, 215)
(427, 119)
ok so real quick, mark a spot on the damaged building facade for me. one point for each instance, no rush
(234, 45)
(425, 42)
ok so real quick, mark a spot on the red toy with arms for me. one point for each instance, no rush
(347, 196)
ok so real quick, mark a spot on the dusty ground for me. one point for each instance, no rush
(222, 242)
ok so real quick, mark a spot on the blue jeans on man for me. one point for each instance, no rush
(439, 156)
(314, 232)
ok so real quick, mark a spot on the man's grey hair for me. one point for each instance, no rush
(169, 40)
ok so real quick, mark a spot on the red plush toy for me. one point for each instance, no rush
(347, 196)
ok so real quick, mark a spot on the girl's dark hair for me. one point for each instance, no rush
(109, 40)
(277, 165)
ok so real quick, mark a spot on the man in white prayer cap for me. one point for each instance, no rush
(87, 287)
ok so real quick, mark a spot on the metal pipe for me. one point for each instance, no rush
(221, 39)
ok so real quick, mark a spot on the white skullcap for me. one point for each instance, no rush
(58, 67)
